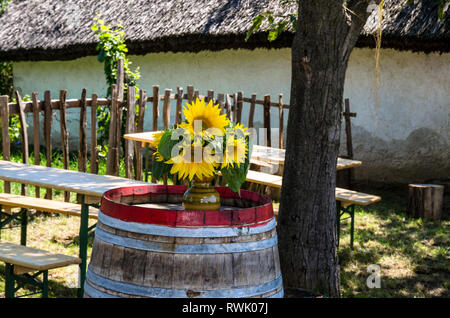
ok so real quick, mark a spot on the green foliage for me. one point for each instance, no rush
(6, 71)
(3, 5)
(441, 5)
(235, 175)
(276, 24)
(112, 48)
(160, 168)
(6, 78)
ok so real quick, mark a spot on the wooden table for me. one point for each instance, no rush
(90, 186)
(259, 153)
(276, 156)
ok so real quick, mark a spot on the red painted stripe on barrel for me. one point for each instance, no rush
(254, 216)
(215, 218)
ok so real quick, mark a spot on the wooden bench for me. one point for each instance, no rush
(21, 260)
(346, 199)
(45, 205)
(9, 201)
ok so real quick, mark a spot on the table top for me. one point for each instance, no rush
(93, 185)
(144, 137)
(261, 153)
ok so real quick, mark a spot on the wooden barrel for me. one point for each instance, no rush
(142, 249)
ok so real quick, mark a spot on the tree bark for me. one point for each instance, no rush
(326, 34)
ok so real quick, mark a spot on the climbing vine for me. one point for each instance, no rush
(6, 72)
(112, 48)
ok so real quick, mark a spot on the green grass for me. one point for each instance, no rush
(413, 254)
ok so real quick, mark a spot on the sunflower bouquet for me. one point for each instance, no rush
(206, 144)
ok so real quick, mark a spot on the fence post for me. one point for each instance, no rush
(166, 108)
(239, 105)
(48, 114)
(120, 79)
(94, 157)
(281, 121)
(112, 142)
(267, 119)
(23, 135)
(140, 128)
(348, 134)
(82, 157)
(6, 144)
(155, 107)
(220, 101)
(129, 128)
(36, 135)
(228, 107)
(210, 96)
(179, 104)
(64, 134)
(251, 114)
(190, 93)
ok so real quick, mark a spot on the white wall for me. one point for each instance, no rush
(405, 138)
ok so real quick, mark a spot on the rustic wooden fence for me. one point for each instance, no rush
(134, 108)
(232, 105)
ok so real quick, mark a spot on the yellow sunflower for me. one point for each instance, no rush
(207, 115)
(158, 156)
(186, 167)
(156, 139)
(155, 143)
(239, 128)
(235, 152)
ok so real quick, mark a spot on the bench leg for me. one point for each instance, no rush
(23, 226)
(338, 221)
(83, 244)
(340, 211)
(45, 285)
(21, 216)
(352, 227)
(9, 281)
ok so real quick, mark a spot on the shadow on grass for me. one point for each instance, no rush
(414, 254)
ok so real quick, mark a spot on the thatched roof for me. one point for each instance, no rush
(50, 30)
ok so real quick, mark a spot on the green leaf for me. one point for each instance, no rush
(101, 56)
(166, 144)
(159, 168)
(255, 26)
(273, 34)
(232, 178)
(235, 176)
(441, 10)
(293, 20)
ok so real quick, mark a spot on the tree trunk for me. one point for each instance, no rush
(326, 34)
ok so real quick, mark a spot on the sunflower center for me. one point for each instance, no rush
(205, 123)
